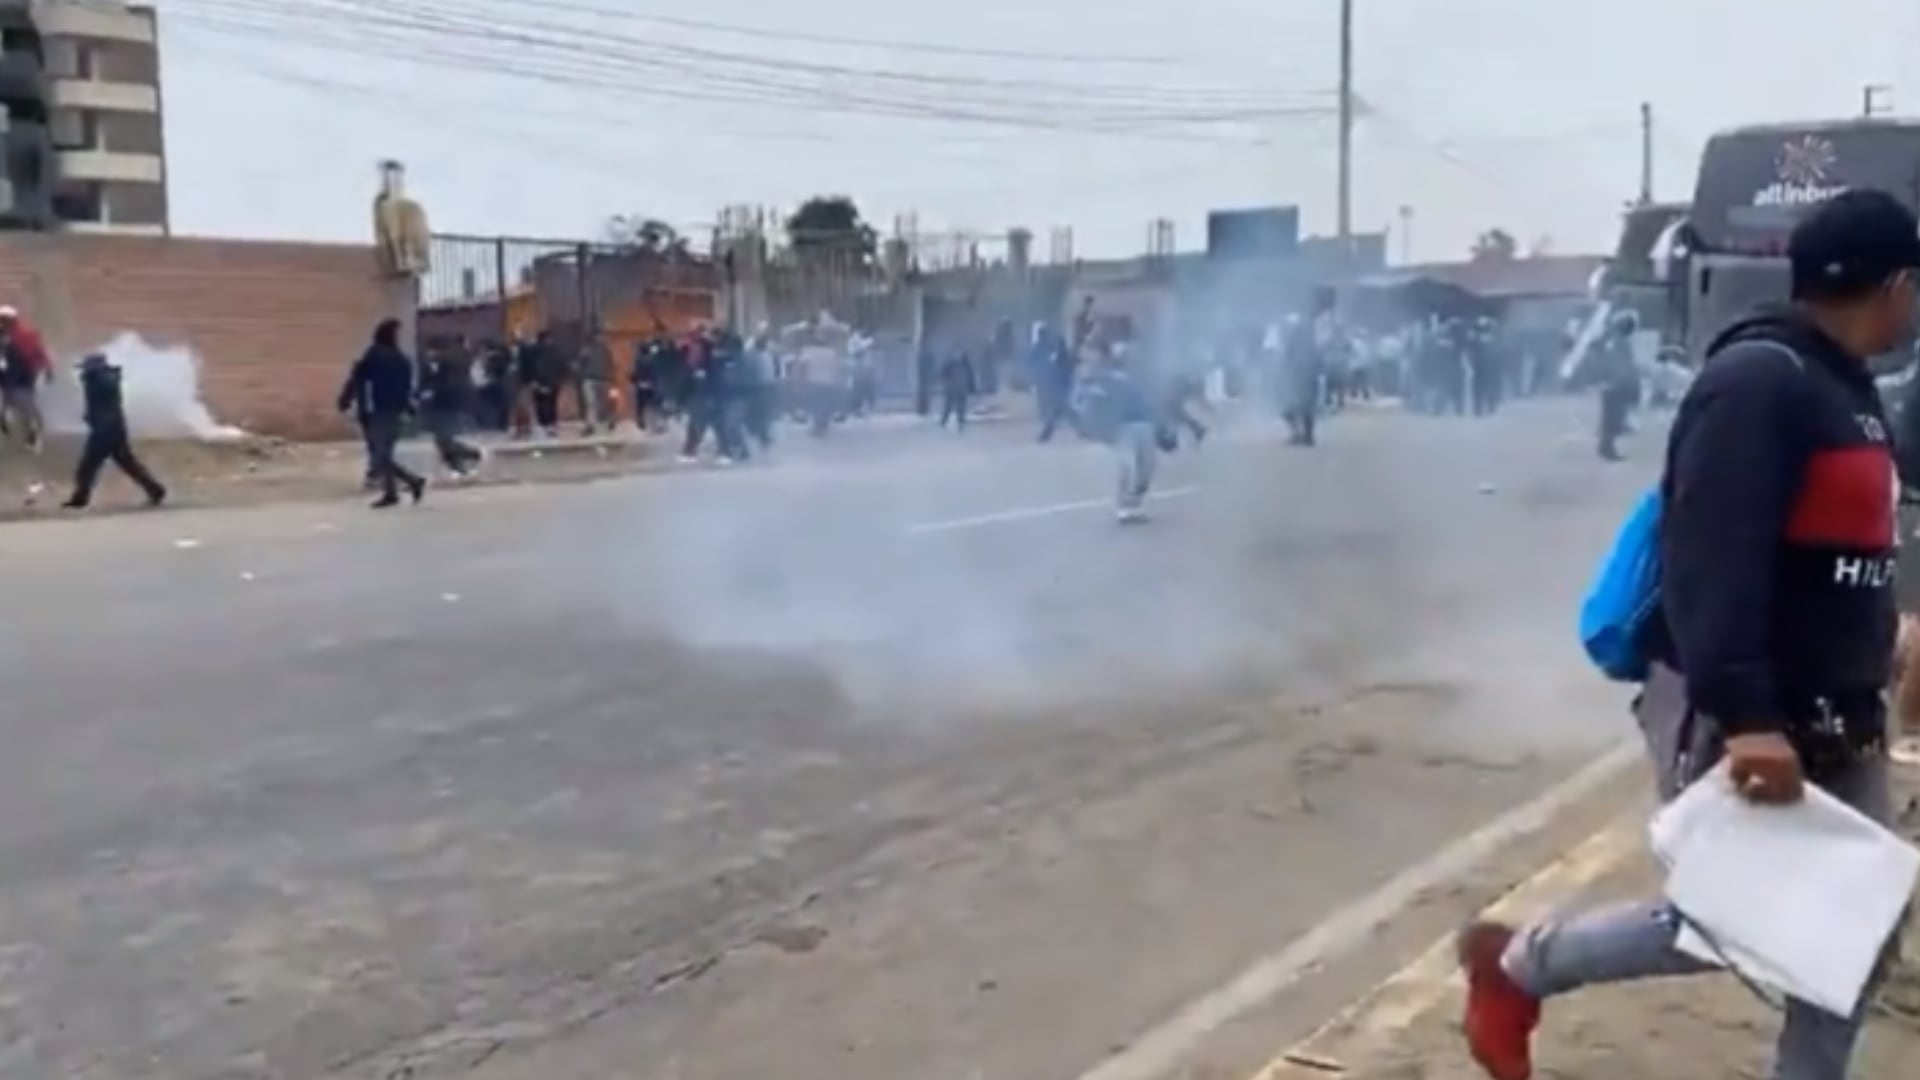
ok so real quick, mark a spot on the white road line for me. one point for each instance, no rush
(1159, 1052)
(1028, 513)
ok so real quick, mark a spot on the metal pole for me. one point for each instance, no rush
(1346, 129)
(502, 293)
(583, 262)
(1406, 235)
(1646, 154)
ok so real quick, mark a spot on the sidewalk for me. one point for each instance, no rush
(254, 471)
(1709, 1028)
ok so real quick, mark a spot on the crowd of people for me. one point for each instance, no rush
(1093, 373)
(728, 389)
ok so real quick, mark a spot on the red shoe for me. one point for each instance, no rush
(1501, 1017)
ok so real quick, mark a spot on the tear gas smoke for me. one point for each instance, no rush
(161, 387)
(1284, 578)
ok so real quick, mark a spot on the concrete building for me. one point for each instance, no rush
(84, 150)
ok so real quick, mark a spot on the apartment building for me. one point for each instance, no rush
(84, 150)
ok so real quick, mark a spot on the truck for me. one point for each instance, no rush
(1756, 183)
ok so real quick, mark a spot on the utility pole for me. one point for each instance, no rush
(1346, 129)
(1646, 154)
(1871, 103)
(1406, 235)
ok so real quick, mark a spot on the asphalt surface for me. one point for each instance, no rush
(912, 767)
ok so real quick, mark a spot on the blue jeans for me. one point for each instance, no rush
(1633, 941)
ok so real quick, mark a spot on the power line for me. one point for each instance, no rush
(1409, 136)
(437, 33)
(841, 41)
(1165, 125)
(363, 96)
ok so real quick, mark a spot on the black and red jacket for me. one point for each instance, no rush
(1778, 532)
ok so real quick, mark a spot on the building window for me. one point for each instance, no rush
(64, 58)
(77, 202)
(125, 62)
(71, 129)
(128, 133)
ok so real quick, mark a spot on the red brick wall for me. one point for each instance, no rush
(273, 324)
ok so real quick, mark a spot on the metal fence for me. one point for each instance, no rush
(503, 287)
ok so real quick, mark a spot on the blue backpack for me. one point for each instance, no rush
(1625, 596)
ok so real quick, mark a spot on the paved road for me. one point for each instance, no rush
(914, 768)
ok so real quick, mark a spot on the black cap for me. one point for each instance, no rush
(1853, 242)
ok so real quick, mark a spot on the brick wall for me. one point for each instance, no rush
(273, 324)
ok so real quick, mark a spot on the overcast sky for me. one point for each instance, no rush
(1516, 113)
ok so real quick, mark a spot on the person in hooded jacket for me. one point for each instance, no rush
(1777, 611)
(379, 390)
(958, 381)
(108, 438)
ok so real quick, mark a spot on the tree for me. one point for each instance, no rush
(1495, 245)
(830, 226)
(649, 236)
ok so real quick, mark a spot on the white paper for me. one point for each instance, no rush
(1802, 898)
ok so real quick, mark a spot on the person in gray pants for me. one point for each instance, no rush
(1778, 550)
(1117, 407)
(1634, 940)
(1137, 444)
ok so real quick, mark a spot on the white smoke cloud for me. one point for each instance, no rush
(162, 390)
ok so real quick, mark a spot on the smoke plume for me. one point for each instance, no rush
(162, 389)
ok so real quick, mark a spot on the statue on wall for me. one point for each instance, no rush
(401, 237)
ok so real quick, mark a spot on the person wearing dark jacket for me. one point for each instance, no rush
(713, 360)
(957, 384)
(446, 393)
(379, 390)
(497, 392)
(1309, 346)
(1777, 610)
(528, 361)
(108, 438)
(727, 382)
(552, 370)
(1059, 368)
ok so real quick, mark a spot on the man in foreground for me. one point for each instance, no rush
(1777, 549)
